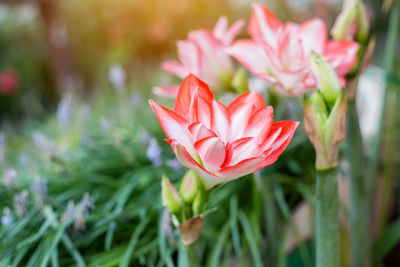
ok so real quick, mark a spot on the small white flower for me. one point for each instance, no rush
(64, 110)
(10, 178)
(7, 217)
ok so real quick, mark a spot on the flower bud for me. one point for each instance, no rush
(352, 22)
(199, 202)
(344, 27)
(318, 105)
(363, 23)
(170, 197)
(327, 79)
(190, 186)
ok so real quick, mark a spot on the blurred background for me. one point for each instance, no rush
(81, 154)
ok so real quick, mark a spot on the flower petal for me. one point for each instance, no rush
(212, 153)
(342, 55)
(198, 131)
(251, 55)
(189, 55)
(281, 142)
(313, 34)
(233, 31)
(242, 168)
(263, 24)
(166, 91)
(175, 67)
(260, 124)
(209, 179)
(220, 121)
(174, 126)
(189, 85)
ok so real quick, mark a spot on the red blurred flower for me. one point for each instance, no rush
(281, 53)
(202, 54)
(222, 143)
(9, 82)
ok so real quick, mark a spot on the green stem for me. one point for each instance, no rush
(389, 159)
(388, 62)
(327, 219)
(192, 257)
(359, 207)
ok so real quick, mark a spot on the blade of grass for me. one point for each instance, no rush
(251, 240)
(132, 243)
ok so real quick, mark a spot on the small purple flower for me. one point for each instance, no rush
(20, 203)
(117, 77)
(83, 212)
(64, 111)
(153, 153)
(39, 190)
(174, 164)
(69, 212)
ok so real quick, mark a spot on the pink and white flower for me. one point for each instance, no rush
(219, 142)
(202, 54)
(281, 52)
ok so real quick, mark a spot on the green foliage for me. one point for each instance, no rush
(103, 203)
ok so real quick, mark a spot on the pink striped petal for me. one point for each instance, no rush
(243, 168)
(189, 85)
(342, 55)
(251, 55)
(220, 121)
(174, 126)
(313, 34)
(198, 131)
(244, 148)
(233, 31)
(260, 124)
(212, 153)
(210, 180)
(263, 25)
(166, 91)
(220, 28)
(250, 98)
(175, 67)
(281, 142)
(189, 55)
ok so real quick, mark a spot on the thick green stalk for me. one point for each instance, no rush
(388, 62)
(359, 207)
(389, 159)
(327, 219)
(192, 257)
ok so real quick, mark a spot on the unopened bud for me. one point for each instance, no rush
(327, 79)
(345, 25)
(352, 23)
(318, 105)
(170, 196)
(189, 187)
(199, 203)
